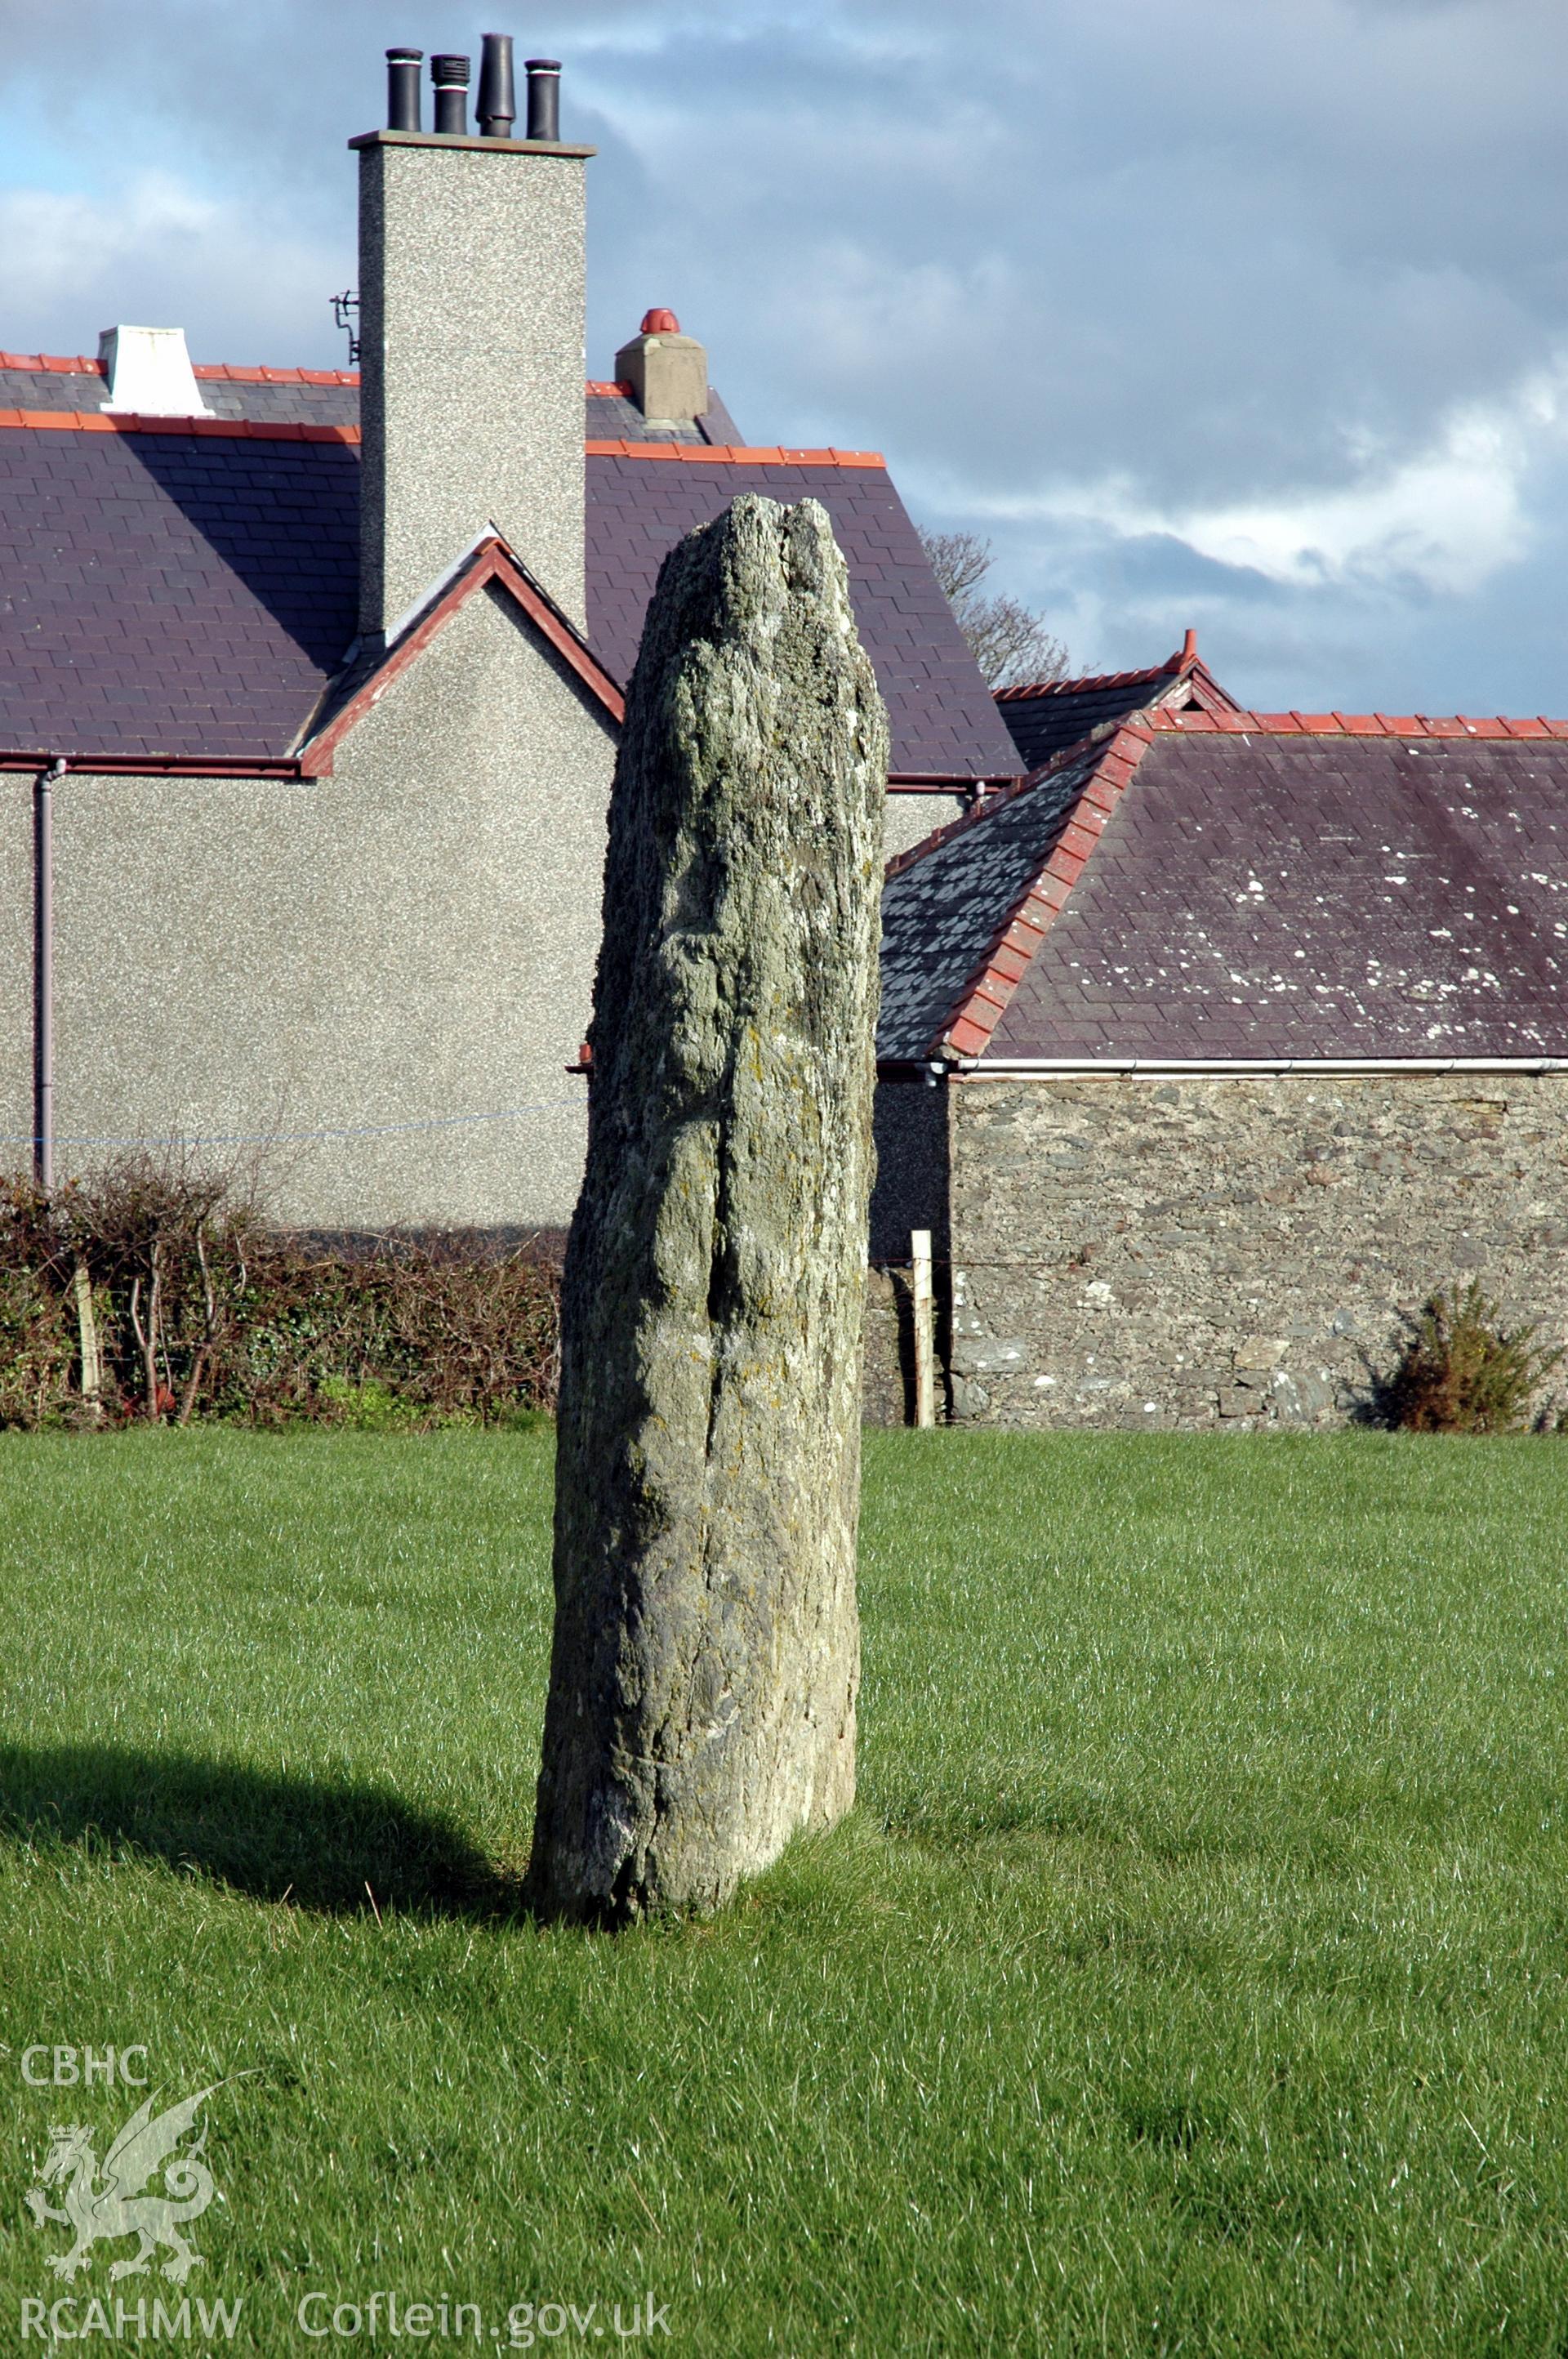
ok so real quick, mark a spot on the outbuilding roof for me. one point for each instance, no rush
(1044, 719)
(1241, 886)
(187, 590)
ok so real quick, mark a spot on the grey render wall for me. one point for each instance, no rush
(15, 967)
(911, 818)
(409, 942)
(1145, 1251)
(472, 326)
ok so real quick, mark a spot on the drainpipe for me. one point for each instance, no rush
(43, 975)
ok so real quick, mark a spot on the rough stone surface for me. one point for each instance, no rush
(887, 1390)
(705, 1656)
(1196, 1252)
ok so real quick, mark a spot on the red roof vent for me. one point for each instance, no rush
(660, 323)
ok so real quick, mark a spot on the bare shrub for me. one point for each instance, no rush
(1011, 644)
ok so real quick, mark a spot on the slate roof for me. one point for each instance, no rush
(171, 594)
(273, 396)
(943, 722)
(1044, 721)
(613, 417)
(1248, 886)
(941, 909)
(312, 398)
(188, 591)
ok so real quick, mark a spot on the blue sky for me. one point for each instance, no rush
(1242, 315)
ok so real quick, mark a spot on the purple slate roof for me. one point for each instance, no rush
(166, 595)
(1263, 895)
(162, 594)
(283, 404)
(943, 719)
(611, 418)
(1043, 722)
(940, 912)
(615, 418)
(1048, 720)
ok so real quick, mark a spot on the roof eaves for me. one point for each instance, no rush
(954, 782)
(492, 562)
(984, 1000)
(86, 763)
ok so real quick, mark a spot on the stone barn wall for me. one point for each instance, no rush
(1144, 1252)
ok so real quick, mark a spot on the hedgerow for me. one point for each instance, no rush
(195, 1308)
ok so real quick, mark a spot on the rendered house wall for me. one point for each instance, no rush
(911, 818)
(409, 942)
(15, 968)
(1146, 1252)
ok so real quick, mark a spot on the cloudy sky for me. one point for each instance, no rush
(1248, 314)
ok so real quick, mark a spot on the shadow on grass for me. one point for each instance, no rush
(325, 1846)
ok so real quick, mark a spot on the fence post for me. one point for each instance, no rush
(87, 1328)
(924, 1308)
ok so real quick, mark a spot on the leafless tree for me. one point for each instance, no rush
(1008, 639)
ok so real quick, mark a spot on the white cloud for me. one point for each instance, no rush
(163, 253)
(1234, 315)
(1448, 518)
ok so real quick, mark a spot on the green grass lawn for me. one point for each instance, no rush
(1191, 1978)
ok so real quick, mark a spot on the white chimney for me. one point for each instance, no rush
(149, 371)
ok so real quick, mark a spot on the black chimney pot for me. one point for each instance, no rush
(403, 88)
(497, 102)
(450, 77)
(544, 98)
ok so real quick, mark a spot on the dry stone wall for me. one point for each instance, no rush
(1144, 1252)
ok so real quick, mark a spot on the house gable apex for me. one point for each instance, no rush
(365, 679)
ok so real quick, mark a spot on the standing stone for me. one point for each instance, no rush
(707, 1643)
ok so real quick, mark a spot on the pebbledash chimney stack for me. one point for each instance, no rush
(472, 303)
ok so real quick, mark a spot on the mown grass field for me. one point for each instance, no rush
(1193, 1976)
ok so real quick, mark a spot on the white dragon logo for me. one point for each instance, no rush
(118, 2207)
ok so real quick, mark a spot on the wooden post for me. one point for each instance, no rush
(924, 1316)
(87, 1328)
